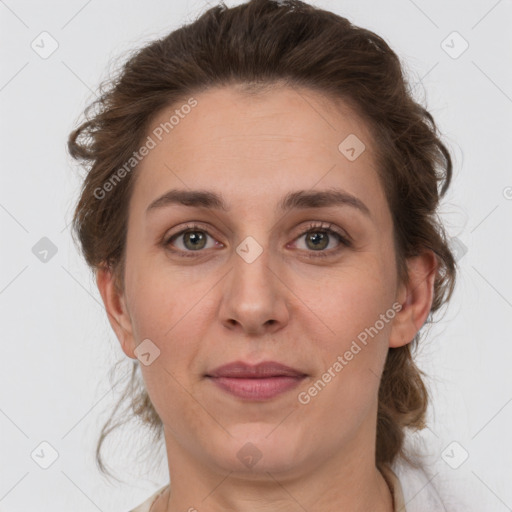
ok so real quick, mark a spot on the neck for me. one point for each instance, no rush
(350, 483)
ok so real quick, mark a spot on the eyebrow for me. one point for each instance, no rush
(301, 199)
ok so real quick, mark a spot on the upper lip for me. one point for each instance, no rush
(239, 369)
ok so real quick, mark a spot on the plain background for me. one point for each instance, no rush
(57, 346)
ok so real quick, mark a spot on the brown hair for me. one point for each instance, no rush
(256, 45)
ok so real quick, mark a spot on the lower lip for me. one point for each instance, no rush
(257, 389)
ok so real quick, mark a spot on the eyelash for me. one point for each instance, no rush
(320, 228)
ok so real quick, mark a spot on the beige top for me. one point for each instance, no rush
(387, 473)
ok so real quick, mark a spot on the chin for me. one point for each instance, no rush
(260, 448)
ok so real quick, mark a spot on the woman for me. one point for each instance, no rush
(260, 214)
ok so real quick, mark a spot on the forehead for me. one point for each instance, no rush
(258, 144)
(226, 116)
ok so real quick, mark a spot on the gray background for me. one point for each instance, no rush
(57, 345)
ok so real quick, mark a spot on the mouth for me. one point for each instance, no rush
(256, 382)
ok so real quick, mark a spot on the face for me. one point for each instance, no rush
(282, 272)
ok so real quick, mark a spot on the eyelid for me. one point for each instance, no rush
(192, 226)
(345, 241)
(330, 228)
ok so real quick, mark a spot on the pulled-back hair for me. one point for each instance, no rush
(256, 46)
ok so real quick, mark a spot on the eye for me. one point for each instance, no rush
(318, 237)
(192, 239)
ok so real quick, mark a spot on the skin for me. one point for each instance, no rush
(214, 308)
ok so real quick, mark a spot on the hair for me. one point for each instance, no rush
(256, 46)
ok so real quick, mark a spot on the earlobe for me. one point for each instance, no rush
(415, 298)
(117, 312)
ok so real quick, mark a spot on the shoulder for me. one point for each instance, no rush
(146, 505)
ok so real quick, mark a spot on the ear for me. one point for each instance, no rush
(415, 297)
(117, 312)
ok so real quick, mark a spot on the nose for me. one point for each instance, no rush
(254, 298)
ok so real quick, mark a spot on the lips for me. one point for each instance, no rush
(255, 382)
(241, 370)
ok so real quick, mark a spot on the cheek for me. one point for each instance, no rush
(353, 299)
(160, 301)
(161, 311)
(170, 310)
(358, 310)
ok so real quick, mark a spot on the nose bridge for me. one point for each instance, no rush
(252, 297)
(251, 273)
